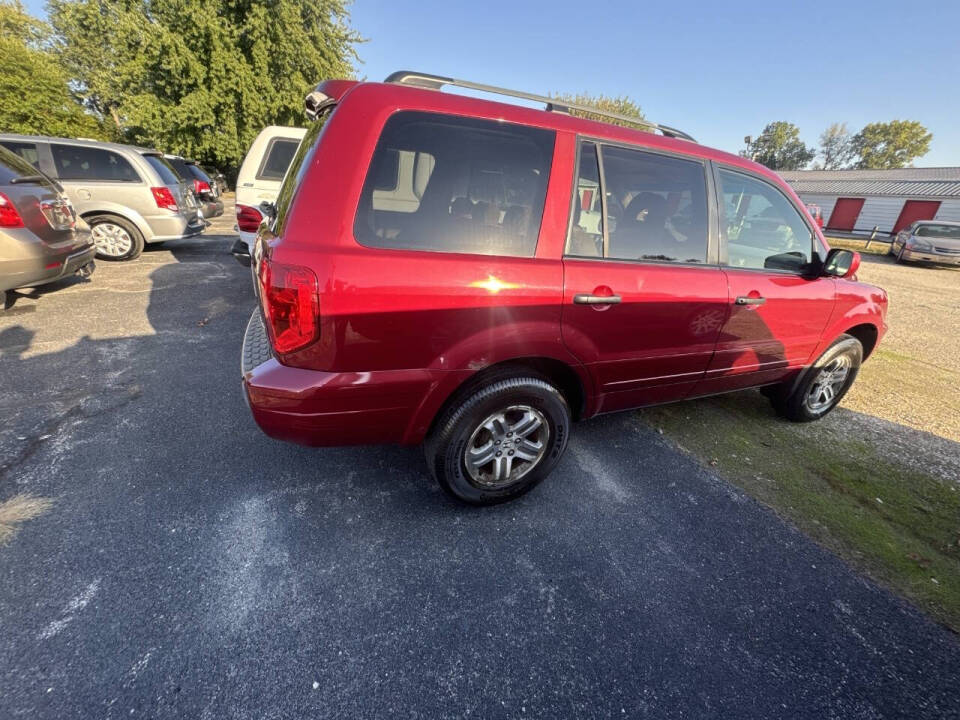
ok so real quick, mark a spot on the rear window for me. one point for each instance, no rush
(196, 172)
(13, 166)
(76, 162)
(27, 151)
(279, 155)
(299, 165)
(947, 232)
(451, 184)
(167, 174)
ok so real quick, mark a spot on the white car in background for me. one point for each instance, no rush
(261, 175)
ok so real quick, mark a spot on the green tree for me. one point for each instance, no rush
(202, 77)
(621, 105)
(836, 147)
(779, 147)
(35, 97)
(896, 144)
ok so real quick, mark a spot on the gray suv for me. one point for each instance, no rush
(128, 195)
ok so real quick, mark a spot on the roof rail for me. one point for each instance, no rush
(436, 82)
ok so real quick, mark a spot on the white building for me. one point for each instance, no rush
(859, 200)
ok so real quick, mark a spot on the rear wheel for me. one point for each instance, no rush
(498, 441)
(115, 238)
(823, 385)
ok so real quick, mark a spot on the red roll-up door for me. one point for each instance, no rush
(845, 213)
(914, 210)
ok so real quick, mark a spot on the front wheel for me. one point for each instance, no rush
(500, 441)
(823, 385)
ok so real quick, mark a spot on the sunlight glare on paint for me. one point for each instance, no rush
(494, 285)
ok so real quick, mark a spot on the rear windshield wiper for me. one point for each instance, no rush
(28, 179)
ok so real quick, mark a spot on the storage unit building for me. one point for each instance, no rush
(859, 200)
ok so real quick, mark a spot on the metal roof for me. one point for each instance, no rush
(903, 182)
(906, 174)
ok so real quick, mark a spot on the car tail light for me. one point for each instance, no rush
(290, 299)
(164, 198)
(248, 218)
(9, 217)
(201, 186)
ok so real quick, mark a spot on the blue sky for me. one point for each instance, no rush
(719, 70)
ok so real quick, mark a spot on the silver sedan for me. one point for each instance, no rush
(935, 241)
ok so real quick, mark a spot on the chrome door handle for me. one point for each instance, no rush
(744, 300)
(585, 299)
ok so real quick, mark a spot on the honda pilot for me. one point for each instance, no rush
(475, 276)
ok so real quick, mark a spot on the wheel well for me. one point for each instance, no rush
(110, 213)
(556, 372)
(867, 335)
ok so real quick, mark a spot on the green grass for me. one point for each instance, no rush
(898, 525)
(877, 247)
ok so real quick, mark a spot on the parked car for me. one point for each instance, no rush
(218, 177)
(41, 238)
(128, 195)
(936, 241)
(259, 180)
(205, 191)
(436, 272)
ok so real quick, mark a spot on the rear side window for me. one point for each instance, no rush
(762, 228)
(75, 162)
(451, 184)
(27, 151)
(656, 206)
(167, 174)
(13, 166)
(279, 155)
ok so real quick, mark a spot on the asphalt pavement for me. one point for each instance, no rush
(191, 567)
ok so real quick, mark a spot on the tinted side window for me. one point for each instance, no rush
(74, 162)
(167, 174)
(13, 166)
(463, 185)
(28, 151)
(279, 155)
(656, 205)
(762, 228)
(586, 230)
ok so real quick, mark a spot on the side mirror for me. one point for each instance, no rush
(841, 263)
(268, 210)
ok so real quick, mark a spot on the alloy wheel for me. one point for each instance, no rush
(507, 445)
(828, 384)
(111, 239)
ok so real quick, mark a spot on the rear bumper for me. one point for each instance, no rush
(44, 268)
(928, 256)
(175, 227)
(211, 208)
(311, 407)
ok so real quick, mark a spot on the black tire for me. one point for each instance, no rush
(136, 238)
(796, 403)
(447, 445)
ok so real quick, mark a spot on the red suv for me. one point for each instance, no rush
(475, 275)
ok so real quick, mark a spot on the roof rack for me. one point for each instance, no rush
(436, 82)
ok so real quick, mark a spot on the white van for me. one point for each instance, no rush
(262, 173)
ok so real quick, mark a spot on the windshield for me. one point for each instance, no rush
(949, 232)
(166, 173)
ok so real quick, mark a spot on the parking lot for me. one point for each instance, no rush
(188, 566)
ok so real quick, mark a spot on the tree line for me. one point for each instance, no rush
(196, 77)
(878, 146)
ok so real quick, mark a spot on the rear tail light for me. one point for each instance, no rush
(200, 186)
(248, 218)
(164, 198)
(290, 299)
(9, 217)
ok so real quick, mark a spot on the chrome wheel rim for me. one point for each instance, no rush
(506, 446)
(828, 384)
(111, 240)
